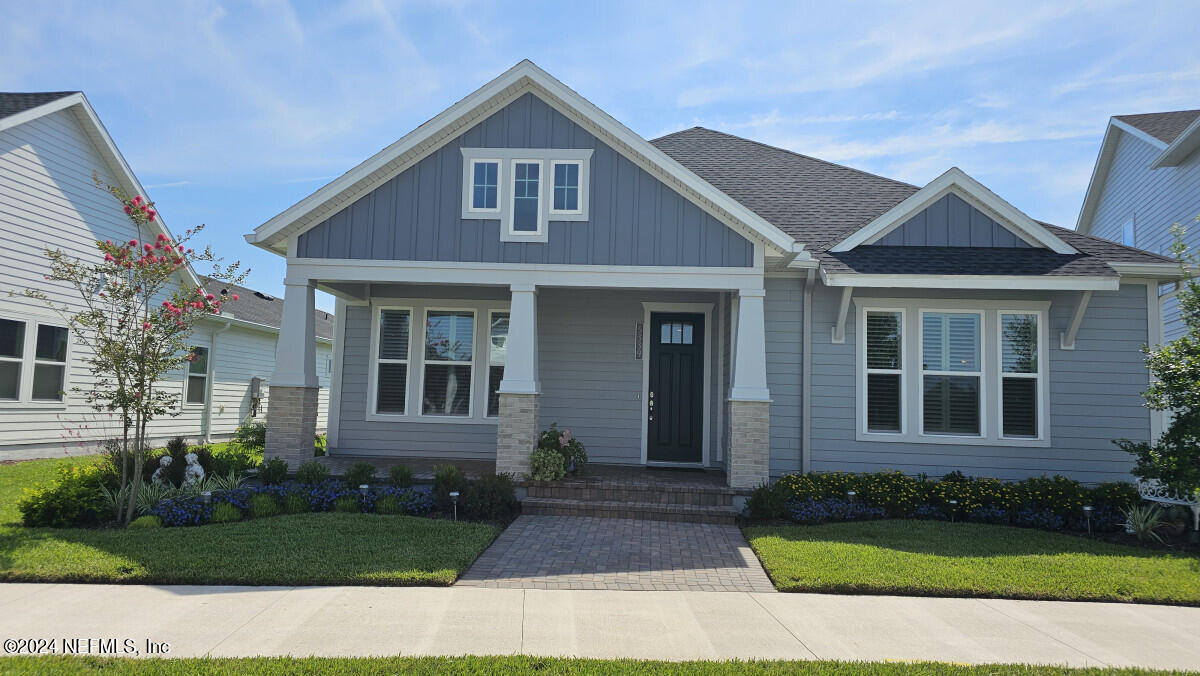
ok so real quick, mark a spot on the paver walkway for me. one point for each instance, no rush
(572, 552)
(365, 621)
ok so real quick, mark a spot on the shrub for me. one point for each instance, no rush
(768, 502)
(185, 510)
(359, 473)
(263, 505)
(1145, 521)
(489, 498)
(273, 471)
(319, 445)
(251, 434)
(401, 476)
(565, 444)
(295, 503)
(223, 512)
(234, 458)
(833, 509)
(388, 504)
(346, 503)
(546, 465)
(147, 521)
(74, 498)
(447, 479)
(312, 472)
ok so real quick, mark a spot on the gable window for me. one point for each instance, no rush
(566, 186)
(449, 354)
(391, 370)
(485, 185)
(975, 376)
(12, 350)
(197, 377)
(526, 201)
(497, 352)
(885, 371)
(1128, 237)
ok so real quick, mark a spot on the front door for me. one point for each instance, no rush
(675, 400)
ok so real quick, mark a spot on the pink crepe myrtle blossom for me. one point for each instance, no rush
(146, 325)
(235, 296)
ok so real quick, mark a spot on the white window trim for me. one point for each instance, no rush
(486, 376)
(991, 422)
(469, 199)
(28, 360)
(373, 367)
(865, 371)
(1039, 376)
(506, 156)
(188, 375)
(473, 362)
(980, 374)
(512, 200)
(580, 191)
(418, 308)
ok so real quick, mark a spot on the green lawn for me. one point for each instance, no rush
(934, 558)
(325, 548)
(511, 665)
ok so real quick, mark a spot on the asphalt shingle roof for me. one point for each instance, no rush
(12, 103)
(821, 203)
(260, 308)
(1165, 127)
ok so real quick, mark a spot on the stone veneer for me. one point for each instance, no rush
(516, 432)
(291, 424)
(748, 464)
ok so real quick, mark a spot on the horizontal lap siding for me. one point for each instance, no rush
(634, 218)
(784, 308)
(1155, 199)
(1095, 396)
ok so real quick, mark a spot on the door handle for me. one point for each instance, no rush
(650, 406)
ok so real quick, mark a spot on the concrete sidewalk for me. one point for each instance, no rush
(671, 625)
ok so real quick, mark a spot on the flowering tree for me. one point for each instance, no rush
(136, 320)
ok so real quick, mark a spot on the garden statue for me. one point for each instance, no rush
(160, 474)
(194, 473)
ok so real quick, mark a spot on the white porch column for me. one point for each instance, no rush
(517, 427)
(293, 396)
(749, 398)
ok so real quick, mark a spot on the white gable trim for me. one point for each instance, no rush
(96, 132)
(1104, 160)
(974, 193)
(523, 78)
(1182, 147)
(1134, 131)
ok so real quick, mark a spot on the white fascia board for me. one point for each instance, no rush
(1014, 282)
(975, 193)
(1148, 270)
(1134, 131)
(94, 128)
(253, 326)
(1182, 147)
(1108, 148)
(513, 82)
(539, 274)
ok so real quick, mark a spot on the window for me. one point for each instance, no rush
(951, 373)
(485, 185)
(1127, 234)
(526, 201)
(497, 351)
(391, 374)
(566, 186)
(885, 371)
(449, 353)
(12, 350)
(676, 333)
(197, 377)
(1020, 374)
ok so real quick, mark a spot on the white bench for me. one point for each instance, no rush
(1156, 492)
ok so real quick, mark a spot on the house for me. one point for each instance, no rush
(1146, 179)
(701, 301)
(50, 143)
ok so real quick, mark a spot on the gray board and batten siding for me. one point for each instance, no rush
(950, 221)
(635, 219)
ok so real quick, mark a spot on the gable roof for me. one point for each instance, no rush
(815, 201)
(33, 105)
(257, 307)
(1165, 127)
(513, 83)
(12, 103)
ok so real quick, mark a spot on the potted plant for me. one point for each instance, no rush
(565, 444)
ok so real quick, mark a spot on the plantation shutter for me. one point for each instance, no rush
(950, 354)
(884, 371)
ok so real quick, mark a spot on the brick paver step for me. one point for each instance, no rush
(639, 493)
(617, 509)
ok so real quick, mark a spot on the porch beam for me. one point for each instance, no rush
(1066, 340)
(839, 329)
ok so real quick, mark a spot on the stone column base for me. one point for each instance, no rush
(748, 465)
(291, 424)
(516, 433)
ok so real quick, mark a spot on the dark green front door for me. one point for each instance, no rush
(675, 403)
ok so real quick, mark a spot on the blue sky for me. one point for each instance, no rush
(231, 112)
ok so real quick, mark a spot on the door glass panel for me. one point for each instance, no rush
(687, 333)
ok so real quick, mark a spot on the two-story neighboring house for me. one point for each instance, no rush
(701, 301)
(1147, 178)
(50, 144)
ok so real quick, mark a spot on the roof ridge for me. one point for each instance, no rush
(792, 152)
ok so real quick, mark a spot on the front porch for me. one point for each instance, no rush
(472, 374)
